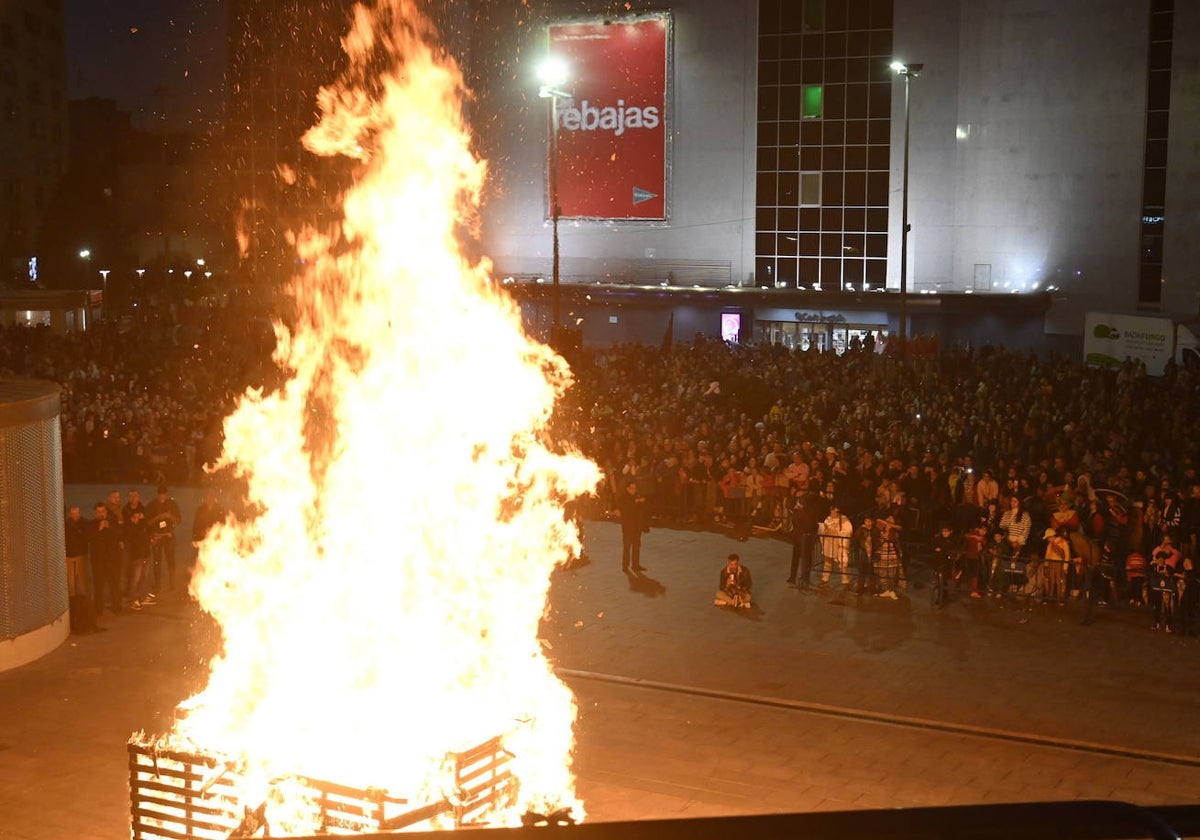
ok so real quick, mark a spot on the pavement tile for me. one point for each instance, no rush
(811, 671)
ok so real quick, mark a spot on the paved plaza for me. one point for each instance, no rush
(808, 701)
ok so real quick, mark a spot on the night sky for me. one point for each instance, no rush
(162, 60)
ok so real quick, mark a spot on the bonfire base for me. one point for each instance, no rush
(176, 794)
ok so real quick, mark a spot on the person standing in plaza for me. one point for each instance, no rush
(835, 532)
(631, 508)
(1016, 524)
(116, 520)
(1054, 569)
(137, 546)
(209, 514)
(887, 556)
(162, 515)
(862, 555)
(104, 546)
(974, 568)
(805, 519)
(75, 530)
(133, 506)
(1165, 560)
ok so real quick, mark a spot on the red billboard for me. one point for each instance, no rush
(612, 118)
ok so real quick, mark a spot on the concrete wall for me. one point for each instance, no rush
(1181, 246)
(1027, 138)
(1028, 126)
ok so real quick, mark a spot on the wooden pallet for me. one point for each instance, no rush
(180, 795)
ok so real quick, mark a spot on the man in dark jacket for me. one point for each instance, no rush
(162, 515)
(806, 514)
(104, 543)
(733, 584)
(76, 530)
(631, 507)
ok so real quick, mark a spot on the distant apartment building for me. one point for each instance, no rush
(33, 127)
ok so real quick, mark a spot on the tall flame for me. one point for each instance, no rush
(382, 607)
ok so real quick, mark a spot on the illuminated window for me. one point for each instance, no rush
(812, 98)
(810, 189)
(731, 326)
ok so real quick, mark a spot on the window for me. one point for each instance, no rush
(810, 189)
(814, 15)
(813, 97)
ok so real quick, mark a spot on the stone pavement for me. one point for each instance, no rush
(814, 701)
(805, 702)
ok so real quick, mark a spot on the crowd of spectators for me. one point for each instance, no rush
(987, 441)
(740, 437)
(143, 398)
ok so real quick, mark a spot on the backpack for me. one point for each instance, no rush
(83, 615)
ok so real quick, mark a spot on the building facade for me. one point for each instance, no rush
(1052, 162)
(33, 128)
(1052, 154)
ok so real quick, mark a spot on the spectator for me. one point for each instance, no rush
(162, 515)
(104, 546)
(631, 507)
(1057, 556)
(75, 531)
(733, 584)
(835, 532)
(887, 556)
(1015, 524)
(137, 541)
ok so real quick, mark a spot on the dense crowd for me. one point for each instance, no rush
(759, 439)
(1001, 447)
(143, 399)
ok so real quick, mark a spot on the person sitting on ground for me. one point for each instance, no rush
(733, 586)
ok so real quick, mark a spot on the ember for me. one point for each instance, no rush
(380, 610)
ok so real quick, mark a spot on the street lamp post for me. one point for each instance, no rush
(909, 72)
(104, 272)
(552, 73)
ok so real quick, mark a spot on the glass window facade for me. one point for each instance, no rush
(825, 101)
(1154, 167)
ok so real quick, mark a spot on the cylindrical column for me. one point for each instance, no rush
(33, 577)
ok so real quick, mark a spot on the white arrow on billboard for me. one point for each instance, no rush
(640, 195)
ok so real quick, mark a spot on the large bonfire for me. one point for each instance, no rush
(381, 608)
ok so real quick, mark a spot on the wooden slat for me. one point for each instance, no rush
(199, 807)
(203, 825)
(165, 785)
(491, 745)
(500, 781)
(496, 764)
(416, 816)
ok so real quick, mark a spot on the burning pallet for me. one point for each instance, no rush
(175, 794)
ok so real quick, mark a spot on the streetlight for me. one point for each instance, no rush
(909, 72)
(552, 73)
(104, 272)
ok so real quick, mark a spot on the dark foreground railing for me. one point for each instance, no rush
(1035, 821)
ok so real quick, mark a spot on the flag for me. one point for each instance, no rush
(669, 335)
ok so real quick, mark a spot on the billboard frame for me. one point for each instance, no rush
(668, 19)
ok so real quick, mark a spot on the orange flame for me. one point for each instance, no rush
(382, 608)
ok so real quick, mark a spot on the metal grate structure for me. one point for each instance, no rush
(33, 580)
(175, 794)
